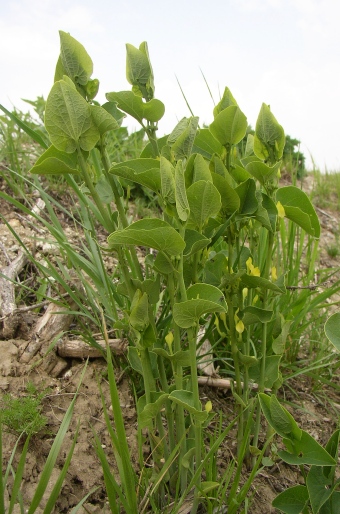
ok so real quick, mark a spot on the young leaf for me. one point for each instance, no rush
(248, 201)
(229, 197)
(186, 400)
(299, 209)
(92, 88)
(143, 171)
(272, 371)
(269, 139)
(139, 316)
(194, 242)
(182, 138)
(206, 144)
(167, 172)
(255, 315)
(148, 411)
(75, 61)
(204, 202)
(226, 101)
(279, 418)
(197, 169)
(266, 212)
(182, 357)
(201, 299)
(229, 126)
(253, 282)
(134, 105)
(68, 119)
(182, 204)
(293, 500)
(152, 233)
(138, 68)
(55, 162)
(262, 172)
(102, 119)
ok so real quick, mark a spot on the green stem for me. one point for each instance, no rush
(120, 208)
(270, 244)
(150, 130)
(178, 375)
(192, 336)
(234, 352)
(108, 223)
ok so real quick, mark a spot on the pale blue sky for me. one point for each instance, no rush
(285, 53)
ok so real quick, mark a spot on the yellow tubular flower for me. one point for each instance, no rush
(169, 338)
(280, 210)
(239, 326)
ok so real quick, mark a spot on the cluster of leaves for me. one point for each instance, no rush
(219, 261)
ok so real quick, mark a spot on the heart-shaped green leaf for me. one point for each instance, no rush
(229, 197)
(206, 144)
(262, 172)
(299, 209)
(204, 202)
(332, 330)
(269, 139)
(292, 501)
(186, 400)
(182, 205)
(103, 120)
(167, 173)
(182, 137)
(143, 171)
(226, 101)
(55, 162)
(68, 119)
(74, 60)
(306, 451)
(152, 233)
(194, 242)
(319, 488)
(147, 412)
(229, 126)
(247, 194)
(201, 299)
(278, 417)
(134, 105)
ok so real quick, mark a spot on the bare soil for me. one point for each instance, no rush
(61, 376)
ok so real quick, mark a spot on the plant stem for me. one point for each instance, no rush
(108, 223)
(150, 130)
(270, 244)
(178, 375)
(120, 208)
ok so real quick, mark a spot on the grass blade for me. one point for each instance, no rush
(112, 488)
(30, 132)
(83, 500)
(58, 485)
(18, 476)
(52, 456)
